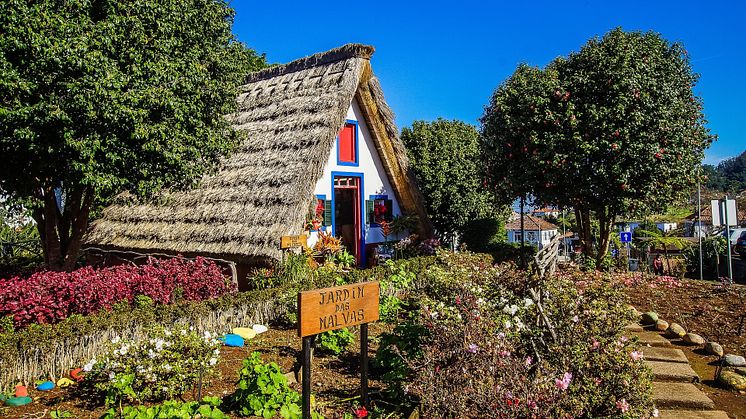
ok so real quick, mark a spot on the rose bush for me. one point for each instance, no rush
(477, 344)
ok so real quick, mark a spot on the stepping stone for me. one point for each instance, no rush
(652, 339)
(633, 327)
(673, 371)
(653, 353)
(693, 414)
(680, 395)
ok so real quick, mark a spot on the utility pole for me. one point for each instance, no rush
(699, 219)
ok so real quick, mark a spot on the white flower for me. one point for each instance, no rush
(115, 340)
(151, 354)
(528, 302)
(167, 333)
(512, 309)
(207, 335)
(213, 361)
(89, 366)
(112, 376)
(167, 367)
(508, 324)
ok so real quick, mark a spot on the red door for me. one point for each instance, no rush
(347, 213)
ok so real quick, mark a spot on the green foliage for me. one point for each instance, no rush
(336, 341)
(163, 364)
(20, 248)
(484, 234)
(208, 408)
(729, 175)
(263, 391)
(614, 129)
(345, 259)
(101, 97)
(446, 160)
(712, 248)
(60, 414)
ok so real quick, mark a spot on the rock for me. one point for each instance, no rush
(18, 401)
(649, 318)
(731, 360)
(693, 339)
(77, 374)
(675, 331)
(245, 332)
(291, 377)
(21, 391)
(45, 386)
(64, 382)
(634, 312)
(732, 381)
(661, 325)
(259, 328)
(713, 348)
(233, 340)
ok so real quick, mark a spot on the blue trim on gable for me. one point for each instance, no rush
(356, 138)
(363, 255)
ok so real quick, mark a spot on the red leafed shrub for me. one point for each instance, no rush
(49, 297)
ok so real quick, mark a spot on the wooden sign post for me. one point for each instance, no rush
(330, 309)
(290, 242)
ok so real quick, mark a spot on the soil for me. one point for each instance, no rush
(710, 310)
(336, 380)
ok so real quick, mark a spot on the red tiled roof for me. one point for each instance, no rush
(530, 223)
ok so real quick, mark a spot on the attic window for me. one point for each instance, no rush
(347, 145)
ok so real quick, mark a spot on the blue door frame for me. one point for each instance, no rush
(361, 239)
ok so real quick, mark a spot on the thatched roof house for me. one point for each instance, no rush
(302, 120)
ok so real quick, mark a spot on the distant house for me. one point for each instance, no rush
(539, 232)
(320, 139)
(546, 212)
(694, 228)
(663, 226)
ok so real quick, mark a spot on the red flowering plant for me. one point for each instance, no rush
(49, 297)
(316, 218)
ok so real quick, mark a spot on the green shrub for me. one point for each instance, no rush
(484, 234)
(263, 391)
(208, 408)
(163, 364)
(335, 341)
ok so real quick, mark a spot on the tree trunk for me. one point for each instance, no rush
(583, 218)
(61, 232)
(606, 222)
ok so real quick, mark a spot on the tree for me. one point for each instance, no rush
(729, 175)
(101, 96)
(611, 130)
(445, 157)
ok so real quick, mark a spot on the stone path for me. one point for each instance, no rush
(673, 390)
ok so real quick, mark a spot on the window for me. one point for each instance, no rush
(379, 208)
(347, 145)
(517, 236)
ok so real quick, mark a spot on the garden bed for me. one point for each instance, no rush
(706, 308)
(334, 378)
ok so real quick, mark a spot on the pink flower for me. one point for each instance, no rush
(622, 405)
(473, 348)
(656, 413)
(636, 355)
(564, 383)
(595, 344)
(529, 361)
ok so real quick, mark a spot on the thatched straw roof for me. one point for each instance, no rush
(291, 115)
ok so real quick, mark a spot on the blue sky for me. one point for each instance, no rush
(444, 59)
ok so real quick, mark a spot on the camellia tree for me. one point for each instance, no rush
(445, 157)
(101, 96)
(612, 130)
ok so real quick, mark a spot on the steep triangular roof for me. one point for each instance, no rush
(292, 114)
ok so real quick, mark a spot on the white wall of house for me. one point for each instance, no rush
(535, 237)
(375, 181)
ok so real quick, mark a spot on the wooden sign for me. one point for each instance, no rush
(288, 242)
(337, 307)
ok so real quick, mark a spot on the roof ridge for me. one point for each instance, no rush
(344, 52)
